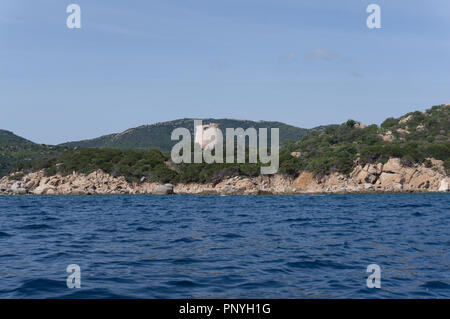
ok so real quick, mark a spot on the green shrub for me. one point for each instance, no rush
(16, 176)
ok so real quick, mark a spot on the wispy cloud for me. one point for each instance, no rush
(322, 54)
(290, 57)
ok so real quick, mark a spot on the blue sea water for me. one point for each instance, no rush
(185, 246)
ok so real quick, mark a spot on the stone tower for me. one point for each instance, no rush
(206, 135)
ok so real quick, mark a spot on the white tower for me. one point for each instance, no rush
(207, 135)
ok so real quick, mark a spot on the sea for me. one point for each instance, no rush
(190, 246)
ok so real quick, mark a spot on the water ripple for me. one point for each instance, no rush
(225, 246)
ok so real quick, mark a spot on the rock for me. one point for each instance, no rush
(15, 187)
(229, 189)
(296, 154)
(305, 181)
(389, 179)
(403, 131)
(388, 136)
(372, 169)
(362, 176)
(371, 179)
(405, 119)
(43, 190)
(393, 165)
(444, 185)
(21, 191)
(43, 181)
(163, 189)
(30, 184)
(379, 168)
(356, 171)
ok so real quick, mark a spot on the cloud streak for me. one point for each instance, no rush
(290, 57)
(321, 54)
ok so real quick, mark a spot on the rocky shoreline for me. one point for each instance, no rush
(377, 178)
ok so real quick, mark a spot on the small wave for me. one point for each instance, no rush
(50, 218)
(183, 283)
(38, 286)
(163, 222)
(36, 226)
(436, 284)
(413, 205)
(54, 256)
(107, 230)
(145, 229)
(3, 234)
(232, 235)
(316, 264)
(264, 284)
(296, 220)
(183, 261)
(95, 293)
(185, 240)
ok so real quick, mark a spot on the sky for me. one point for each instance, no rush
(305, 63)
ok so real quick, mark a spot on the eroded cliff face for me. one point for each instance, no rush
(390, 177)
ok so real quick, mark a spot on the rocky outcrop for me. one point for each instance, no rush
(387, 137)
(370, 178)
(165, 189)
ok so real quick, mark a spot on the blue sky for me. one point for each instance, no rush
(306, 63)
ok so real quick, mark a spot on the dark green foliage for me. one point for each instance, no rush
(447, 165)
(15, 149)
(16, 176)
(158, 136)
(136, 164)
(389, 122)
(338, 149)
(130, 163)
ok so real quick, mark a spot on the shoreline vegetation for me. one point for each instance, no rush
(406, 154)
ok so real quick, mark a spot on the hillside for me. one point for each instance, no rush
(413, 137)
(157, 136)
(17, 152)
(15, 149)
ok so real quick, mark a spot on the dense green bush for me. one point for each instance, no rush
(339, 149)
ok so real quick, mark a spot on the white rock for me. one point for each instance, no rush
(443, 186)
(163, 189)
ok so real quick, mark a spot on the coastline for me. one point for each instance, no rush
(392, 177)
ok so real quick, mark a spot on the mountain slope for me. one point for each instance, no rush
(15, 149)
(157, 136)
